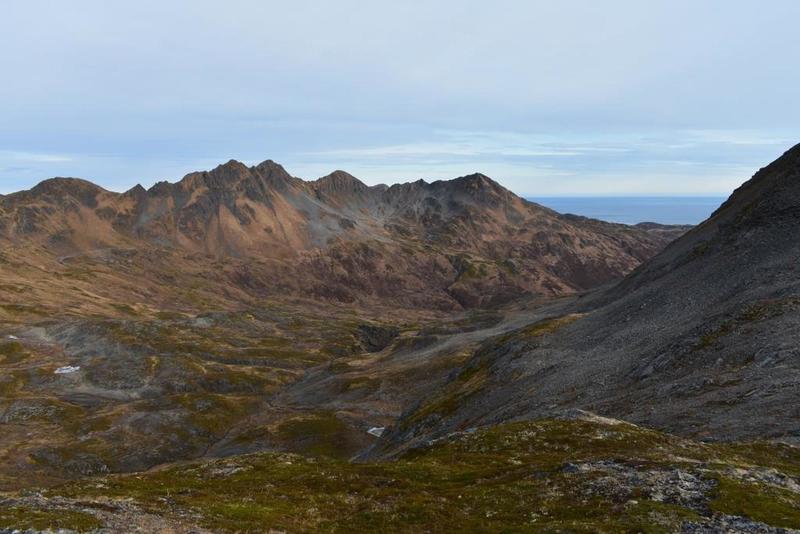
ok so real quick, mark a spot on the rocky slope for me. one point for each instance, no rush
(702, 340)
(447, 245)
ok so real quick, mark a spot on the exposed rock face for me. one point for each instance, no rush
(445, 245)
(704, 339)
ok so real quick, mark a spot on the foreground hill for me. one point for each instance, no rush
(703, 340)
(577, 473)
(252, 232)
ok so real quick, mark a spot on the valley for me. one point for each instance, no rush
(244, 349)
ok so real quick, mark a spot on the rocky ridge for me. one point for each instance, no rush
(455, 244)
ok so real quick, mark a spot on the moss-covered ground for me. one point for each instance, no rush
(25, 517)
(510, 478)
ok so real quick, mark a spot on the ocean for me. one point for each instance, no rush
(632, 210)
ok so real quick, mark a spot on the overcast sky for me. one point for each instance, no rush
(549, 98)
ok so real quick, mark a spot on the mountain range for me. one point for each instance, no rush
(446, 245)
(244, 350)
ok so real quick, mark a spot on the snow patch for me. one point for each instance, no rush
(67, 369)
(11, 336)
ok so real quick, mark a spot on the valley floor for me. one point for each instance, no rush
(83, 396)
(265, 418)
(250, 421)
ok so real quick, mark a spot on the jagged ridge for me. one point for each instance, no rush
(463, 242)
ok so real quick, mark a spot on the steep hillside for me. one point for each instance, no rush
(703, 340)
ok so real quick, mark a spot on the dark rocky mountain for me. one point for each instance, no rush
(702, 340)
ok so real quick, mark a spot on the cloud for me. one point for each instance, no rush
(32, 157)
(400, 90)
(474, 144)
(682, 162)
(742, 137)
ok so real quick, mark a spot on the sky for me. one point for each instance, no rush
(563, 98)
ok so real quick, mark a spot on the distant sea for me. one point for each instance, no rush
(632, 210)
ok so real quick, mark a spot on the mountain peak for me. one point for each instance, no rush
(231, 169)
(232, 164)
(136, 191)
(477, 180)
(339, 181)
(479, 187)
(269, 165)
(60, 184)
(60, 188)
(772, 191)
(223, 176)
(273, 174)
